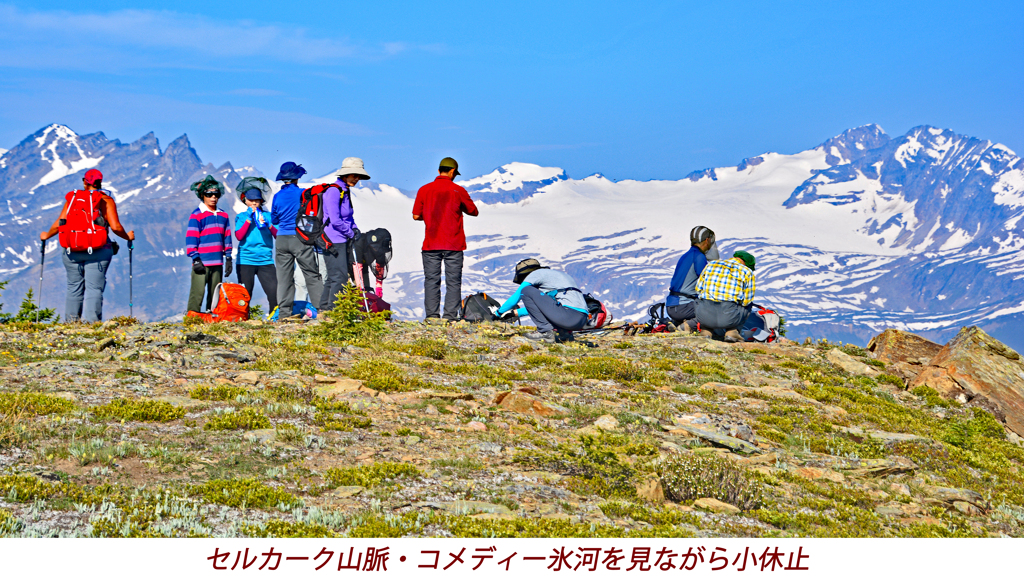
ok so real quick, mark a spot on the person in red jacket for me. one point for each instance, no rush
(440, 205)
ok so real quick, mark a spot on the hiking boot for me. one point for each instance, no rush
(733, 336)
(705, 333)
(564, 336)
(689, 326)
(545, 336)
(671, 327)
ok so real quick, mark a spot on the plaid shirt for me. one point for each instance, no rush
(726, 280)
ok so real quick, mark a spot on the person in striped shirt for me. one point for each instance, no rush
(207, 243)
(725, 290)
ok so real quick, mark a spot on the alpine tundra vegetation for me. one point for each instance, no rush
(387, 429)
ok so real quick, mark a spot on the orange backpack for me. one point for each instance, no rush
(231, 303)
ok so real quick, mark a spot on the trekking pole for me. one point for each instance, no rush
(131, 310)
(42, 263)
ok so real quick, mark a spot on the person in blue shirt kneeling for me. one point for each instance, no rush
(550, 298)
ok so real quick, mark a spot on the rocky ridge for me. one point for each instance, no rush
(127, 429)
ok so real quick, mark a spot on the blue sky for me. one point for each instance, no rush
(649, 91)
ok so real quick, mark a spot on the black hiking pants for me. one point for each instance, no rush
(548, 314)
(267, 274)
(432, 283)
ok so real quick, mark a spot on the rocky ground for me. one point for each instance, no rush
(362, 429)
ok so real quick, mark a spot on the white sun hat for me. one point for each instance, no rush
(353, 166)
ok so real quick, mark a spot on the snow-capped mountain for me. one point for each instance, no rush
(150, 185)
(863, 232)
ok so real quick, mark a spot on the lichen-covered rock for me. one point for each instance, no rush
(715, 506)
(893, 345)
(974, 366)
(850, 364)
(525, 403)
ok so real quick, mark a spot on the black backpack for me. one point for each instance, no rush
(373, 251)
(309, 222)
(478, 307)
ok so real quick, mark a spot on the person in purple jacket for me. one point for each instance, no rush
(340, 228)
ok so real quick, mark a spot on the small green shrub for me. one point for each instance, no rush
(329, 421)
(382, 375)
(245, 419)
(690, 476)
(890, 379)
(621, 370)
(216, 393)
(432, 348)
(33, 403)
(370, 476)
(244, 493)
(349, 322)
(285, 529)
(8, 523)
(594, 464)
(139, 410)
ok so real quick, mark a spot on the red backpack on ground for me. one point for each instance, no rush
(230, 303)
(309, 222)
(83, 227)
(597, 313)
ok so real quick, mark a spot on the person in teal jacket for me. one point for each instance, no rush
(255, 236)
(550, 298)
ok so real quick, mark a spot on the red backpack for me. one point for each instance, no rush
(83, 227)
(309, 222)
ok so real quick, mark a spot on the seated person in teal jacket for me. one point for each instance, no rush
(551, 299)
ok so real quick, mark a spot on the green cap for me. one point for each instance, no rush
(450, 163)
(747, 259)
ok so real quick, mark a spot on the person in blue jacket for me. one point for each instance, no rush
(682, 290)
(550, 298)
(290, 250)
(255, 235)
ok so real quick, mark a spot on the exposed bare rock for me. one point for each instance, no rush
(715, 506)
(975, 364)
(520, 402)
(893, 345)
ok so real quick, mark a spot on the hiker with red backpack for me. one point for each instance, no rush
(255, 235)
(83, 227)
(290, 249)
(207, 243)
(551, 298)
(340, 228)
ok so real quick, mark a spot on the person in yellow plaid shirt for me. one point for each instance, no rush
(725, 291)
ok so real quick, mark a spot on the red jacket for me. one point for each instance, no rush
(441, 204)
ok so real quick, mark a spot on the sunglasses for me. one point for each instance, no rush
(211, 194)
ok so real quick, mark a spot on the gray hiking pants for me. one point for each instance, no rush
(87, 278)
(721, 316)
(681, 312)
(337, 276)
(290, 250)
(548, 314)
(432, 283)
